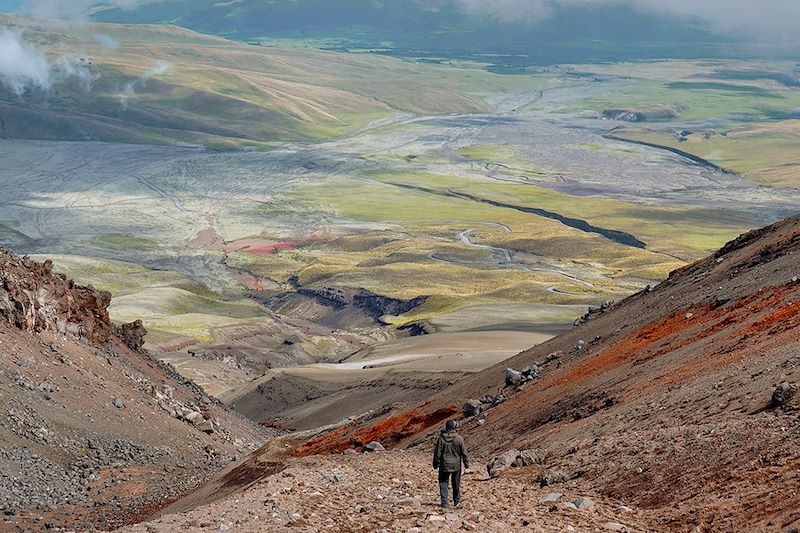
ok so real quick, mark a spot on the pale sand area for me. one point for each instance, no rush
(444, 352)
(535, 317)
(401, 371)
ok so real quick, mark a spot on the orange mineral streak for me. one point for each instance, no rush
(655, 338)
(388, 431)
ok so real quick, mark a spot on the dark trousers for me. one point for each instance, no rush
(444, 479)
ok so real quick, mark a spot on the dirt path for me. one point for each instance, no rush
(395, 492)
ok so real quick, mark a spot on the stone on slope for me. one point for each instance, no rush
(513, 378)
(783, 393)
(501, 462)
(583, 503)
(132, 334)
(375, 446)
(551, 498)
(473, 408)
(531, 457)
(195, 418)
(408, 502)
(206, 426)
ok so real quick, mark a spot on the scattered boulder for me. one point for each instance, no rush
(594, 311)
(501, 462)
(374, 446)
(783, 393)
(118, 403)
(513, 378)
(583, 504)
(519, 379)
(551, 498)
(408, 502)
(531, 457)
(552, 477)
(206, 426)
(579, 346)
(194, 417)
(473, 408)
(132, 334)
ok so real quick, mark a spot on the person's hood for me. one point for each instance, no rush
(449, 436)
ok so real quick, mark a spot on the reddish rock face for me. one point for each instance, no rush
(33, 298)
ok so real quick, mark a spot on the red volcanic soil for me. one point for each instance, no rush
(388, 431)
(270, 249)
(668, 405)
(209, 239)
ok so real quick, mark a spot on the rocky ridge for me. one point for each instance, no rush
(94, 431)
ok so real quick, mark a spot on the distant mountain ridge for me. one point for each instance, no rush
(572, 34)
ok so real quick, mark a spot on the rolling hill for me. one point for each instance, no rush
(167, 85)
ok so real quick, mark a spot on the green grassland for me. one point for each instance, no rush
(171, 305)
(765, 152)
(228, 95)
(693, 91)
(118, 242)
(418, 251)
(701, 230)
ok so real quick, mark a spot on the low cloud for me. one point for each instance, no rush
(22, 65)
(769, 18)
(107, 42)
(26, 67)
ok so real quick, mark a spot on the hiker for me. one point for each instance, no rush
(448, 457)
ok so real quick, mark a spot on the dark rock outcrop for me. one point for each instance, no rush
(132, 334)
(33, 298)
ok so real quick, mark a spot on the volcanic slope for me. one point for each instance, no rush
(675, 413)
(94, 433)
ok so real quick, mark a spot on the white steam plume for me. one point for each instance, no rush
(106, 41)
(25, 66)
(128, 91)
(22, 65)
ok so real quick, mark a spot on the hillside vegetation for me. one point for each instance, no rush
(163, 84)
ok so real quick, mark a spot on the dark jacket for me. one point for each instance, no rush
(450, 452)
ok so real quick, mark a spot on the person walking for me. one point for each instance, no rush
(449, 455)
